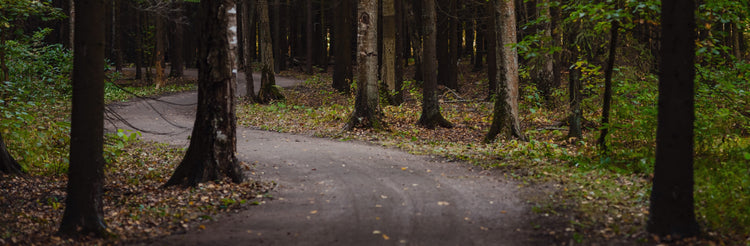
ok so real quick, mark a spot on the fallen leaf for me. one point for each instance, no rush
(314, 212)
(386, 237)
(443, 203)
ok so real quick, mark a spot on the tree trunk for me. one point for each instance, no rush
(366, 112)
(8, 165)
(492, 52)
(213, 143)
(309, 37)
(481, 49)
(414, 18)
(389, 64)
(159, 49)
(607, 99)
(431, 116)
(247, 18)
(323, 44)
(544, 67)
(176, 44)
(84, 213)
(268, 90)
(505, 114)
(453, 42)
(342, 68)
(576, 115)
(276, 39)
(671, 210)
(138, 43)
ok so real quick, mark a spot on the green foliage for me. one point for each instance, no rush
(34, 104)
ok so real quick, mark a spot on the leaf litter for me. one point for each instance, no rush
(136, 207)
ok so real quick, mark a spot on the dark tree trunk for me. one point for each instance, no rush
(390, 54)
(276, 39)
(544, 68)
(323, 43)
(342, 70)
(576, 115)
(8, 165)
(492, 58)
(366, 112)
(138, 42)
(481, 47)
(160, 48)
(607, 98)
(444, 34)
(84, 213)
(671, 210)
(309, 37)
(176, 44)
(211, 154)
(247, 20)
(414, 19)
(453, 40)
(117, 30)
(505, 114)
(268, 90)
(431, 116)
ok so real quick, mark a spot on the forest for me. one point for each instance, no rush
(580, 121)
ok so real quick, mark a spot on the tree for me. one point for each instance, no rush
(84, 211)
(607, 97)
(213, 142)
(366, 112)
(505, 114)
(389, 73)
(309, 37)
(342, 46)
(672, 210)
(175, 44)
(247, 20)
(431, 116)
(543, 68)
(268, 90)
(8, 165)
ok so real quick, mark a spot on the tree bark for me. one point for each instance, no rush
(309, 37)
(671, 210)
(8, 165)
(268, 90)
(176, 44)
(389, 64)
(574, 91)
(248, 46)
(544, 68)
(159, 50)
(342, 70)
(276, 39)
(84, 211)
(505, 114)
(492, 53)
(607, 98)
(366, 112)
(431, 116)
(213, 142)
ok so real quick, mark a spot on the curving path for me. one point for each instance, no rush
(348, 193)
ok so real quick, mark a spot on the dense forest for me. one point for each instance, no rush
(636, 113)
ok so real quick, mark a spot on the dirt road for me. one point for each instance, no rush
(347, 193)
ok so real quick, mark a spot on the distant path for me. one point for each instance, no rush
(349, 193)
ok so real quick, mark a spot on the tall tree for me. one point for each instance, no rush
(309, 37)
(671, 211)
(177, 22)
(211, 154)
(342, 46)
(84, 211)
(431, 116)
(607, 97)
(543, 68)
(390, 65)
(367, 112)
(268, 90)
(8, 165)
(247, 18)
(505, 114)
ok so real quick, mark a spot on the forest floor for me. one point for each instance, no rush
(331, 192)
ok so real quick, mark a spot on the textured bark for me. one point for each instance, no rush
(505, 114)
(159, 50)
(342, 69)
(268, 90)
(213, 142)
(8, 165)
(671, 210)
(492, 52)
(277, 44)
(138, 42)
(84, 211)
(309, 37)
(446, 43)
(607, 97)
(431, 116)
(366, 112)
(176, 45)
(247, 18)
(414, 20)
(544, 68)
(576, 115)
(389, 63)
